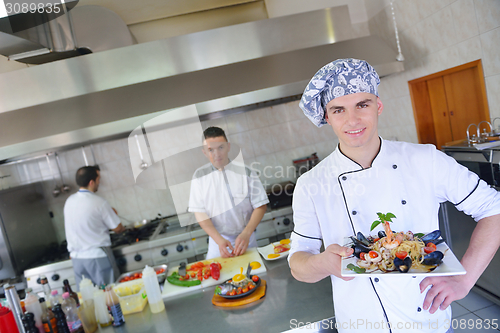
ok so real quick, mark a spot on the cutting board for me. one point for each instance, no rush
(255, 296)
(230, 267)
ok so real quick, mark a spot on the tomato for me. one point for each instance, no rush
(376, 239)
(429, 249)
(238, 291)
(193, 274)
(401, 254)
(251, 286)
(200, 277)
(232, 292)
(186, 277)
(255, 278)
(431, 245)
(373, 254)
(245, 290)
(362, 256)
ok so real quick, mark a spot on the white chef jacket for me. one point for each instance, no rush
(338, 198)
(87, 221)
(228, 196)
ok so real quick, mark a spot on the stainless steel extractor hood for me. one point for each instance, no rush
(104, 94)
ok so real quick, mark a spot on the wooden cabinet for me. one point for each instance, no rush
(445, 103)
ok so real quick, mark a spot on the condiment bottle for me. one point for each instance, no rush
(46, 289)
(7, 321)
(101, 310)
(14, 304)
(113, 304)
(62, 325)
(29, 323)
(70, 310)
(67, 288)
(32, 305)
(87, 289)
(48, 319)
(55, 298)
(153, 290)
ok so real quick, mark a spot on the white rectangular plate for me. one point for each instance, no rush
(268, 249)
(449, 266)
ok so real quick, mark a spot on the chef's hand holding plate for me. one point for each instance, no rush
(333, 255)
(444, 290)
(241, 244)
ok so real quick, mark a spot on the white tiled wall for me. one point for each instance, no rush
(435, 35)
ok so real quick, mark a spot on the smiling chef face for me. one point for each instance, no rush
(354, 119)
(216, 150)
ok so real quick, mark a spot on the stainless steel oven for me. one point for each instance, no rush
(485, 163)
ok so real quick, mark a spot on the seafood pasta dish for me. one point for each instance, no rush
(395, 251)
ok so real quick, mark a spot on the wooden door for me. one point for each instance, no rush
(452, 99)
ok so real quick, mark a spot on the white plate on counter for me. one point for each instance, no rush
(269, 249)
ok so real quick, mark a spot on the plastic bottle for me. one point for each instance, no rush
(7, 320)
(86, 289)
(29, 323)
(55, 298)
(113, 304)
(101, 310)
(62, 325)
(70, 310)
(46, 289)
(32, 305)
(153, 290)
(48, 319)
(67, 288)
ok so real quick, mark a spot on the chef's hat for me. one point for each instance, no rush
(338, 78)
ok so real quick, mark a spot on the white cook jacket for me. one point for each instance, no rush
(87, 221)
(338, 198)
(229, 197)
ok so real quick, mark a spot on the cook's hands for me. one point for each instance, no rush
(333, 257)
(241, 244)
(444, 290)
(223, 245)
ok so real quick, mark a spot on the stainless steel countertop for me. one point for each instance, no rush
(286, 299)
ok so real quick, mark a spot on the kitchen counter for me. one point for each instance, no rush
(286, 299)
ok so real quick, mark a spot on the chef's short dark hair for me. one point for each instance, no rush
(85, 174)
(214, 132)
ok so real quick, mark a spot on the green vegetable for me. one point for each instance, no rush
(419, 235)
(356, 269)
(382, 218)
(174, 279)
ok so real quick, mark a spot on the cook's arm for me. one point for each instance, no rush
(207, 225)
(482, 248)
(308, 267)
(241, 243)
(119, 229)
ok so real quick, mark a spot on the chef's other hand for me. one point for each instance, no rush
(333, 257)
(114, 210)
(241, 244)
(444, 290)
(223, 245)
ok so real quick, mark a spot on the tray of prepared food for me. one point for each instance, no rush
(161, 271)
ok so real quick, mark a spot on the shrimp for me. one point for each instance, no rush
(389, 243)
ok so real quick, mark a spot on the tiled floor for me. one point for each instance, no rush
(475, 313)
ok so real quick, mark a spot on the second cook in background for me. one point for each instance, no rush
(227, 198)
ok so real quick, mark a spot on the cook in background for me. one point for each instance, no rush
(366, 175)
(87, 221)
(227, 198)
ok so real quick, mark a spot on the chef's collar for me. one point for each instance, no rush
(225, 166)
(353, 165)
(83, 191)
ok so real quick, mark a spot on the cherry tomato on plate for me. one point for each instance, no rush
(430, 247)
(255, 278)
(362, 255)
(401, 254)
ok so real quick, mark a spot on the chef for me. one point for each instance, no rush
(366, 175)
(87, 221)
(227, 199)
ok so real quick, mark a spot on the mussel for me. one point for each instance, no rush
(358, 248)
(381, 234)
(433, 258)
(360, 237)
(403, 265)
(431, 236)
